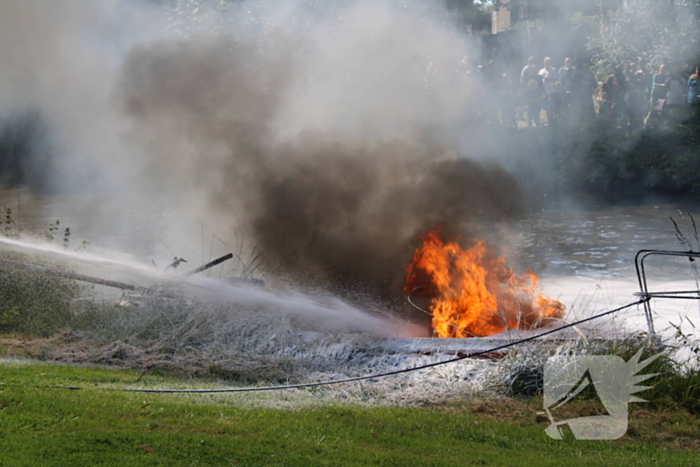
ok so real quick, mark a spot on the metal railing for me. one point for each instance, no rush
(644, 292)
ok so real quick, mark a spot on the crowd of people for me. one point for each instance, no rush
(554, 90)
(630, 96)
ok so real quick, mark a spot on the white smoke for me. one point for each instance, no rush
(358, 71)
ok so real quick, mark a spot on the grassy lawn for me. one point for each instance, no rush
(44, 425)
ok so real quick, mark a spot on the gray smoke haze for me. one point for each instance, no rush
(324, 205)
(321, 136)
(60, 59)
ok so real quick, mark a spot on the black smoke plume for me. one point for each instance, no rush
(324, 208)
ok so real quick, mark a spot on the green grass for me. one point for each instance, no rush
(44, 425)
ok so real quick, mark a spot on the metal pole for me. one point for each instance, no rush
(71, 275)
(211, 264)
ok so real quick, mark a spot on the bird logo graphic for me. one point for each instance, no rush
(613, 381)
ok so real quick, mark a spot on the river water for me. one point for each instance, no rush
(586, 259)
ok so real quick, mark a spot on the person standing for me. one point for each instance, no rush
(694, 87)
(534, 96)
(566, 74)
(528, 74)
(658, 85)
(509, 101)
(637, 104)
(619, 94)
(642, 75)
(657, 100)
(584, 85)
(606, 105)
(549, 77)
(676, 92)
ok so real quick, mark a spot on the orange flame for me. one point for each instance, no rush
(474, 293)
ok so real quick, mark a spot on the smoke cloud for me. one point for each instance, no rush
(322, 135)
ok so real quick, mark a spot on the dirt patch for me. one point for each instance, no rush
(68, 347)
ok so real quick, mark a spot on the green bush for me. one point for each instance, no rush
(611, 162)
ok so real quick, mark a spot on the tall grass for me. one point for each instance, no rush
(676, 384)
(33, 303)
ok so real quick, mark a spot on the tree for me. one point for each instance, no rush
(464, 12)
(661, 31)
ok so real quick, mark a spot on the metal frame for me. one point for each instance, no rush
(644, 289)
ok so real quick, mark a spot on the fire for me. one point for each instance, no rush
(474, 293)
